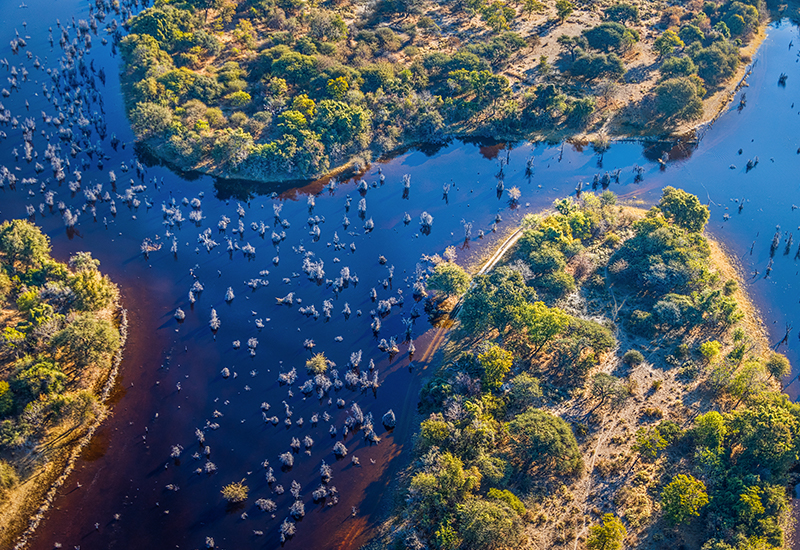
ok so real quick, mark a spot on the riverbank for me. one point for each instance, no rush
(606, 484)
(60, 360)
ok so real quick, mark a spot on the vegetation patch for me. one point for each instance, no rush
(273, 90)
(602, 390)
(60, 338)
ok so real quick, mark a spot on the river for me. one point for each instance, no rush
(123, 491)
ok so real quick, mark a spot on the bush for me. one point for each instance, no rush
(509, 498)
(633, 357)
(449, 279)
(490, 526)
(239, 99)
(778, 366)
(611, 36)
(541, 440)
(6, 399)
(495, 362)
(678, 99)
(93, 291)
(608, 536)
(149, 120)
(683, 498)
(235, 492)
(710, 350)
(318, 364)
(8, 477)
(87, 340)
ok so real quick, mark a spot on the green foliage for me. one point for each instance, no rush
(496, 363)
(489, 525)
(768, 434)
(510, 499)
(592, 66)
(667, 43)
(494, 300)
(563, 9)
(683, 498)
(87, 340)
(541, 440)
(716, 63)
(710, 430)
(611, 36)
(622, 13)
(525, 392)
(608, 536)
(710, 350)
(23, 243)
(684, 209)
(434, 493)
(677, 66)
(778, 366)
(679, 99)
(93, 291)
(633, 357)
(449, 278)
(150, 120)
(539, 323)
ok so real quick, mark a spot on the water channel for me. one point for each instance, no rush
(171, 381)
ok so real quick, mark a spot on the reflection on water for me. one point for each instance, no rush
(172, 375)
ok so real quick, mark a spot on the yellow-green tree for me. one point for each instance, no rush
(608, 536)
(496, 362)
(683, 498)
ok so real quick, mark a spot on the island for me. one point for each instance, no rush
(289, 90)
(608, 383)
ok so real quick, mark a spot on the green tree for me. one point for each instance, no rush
(541, 440)
(684, 209)
(487, 525)
(22, 242)
(667, 43)
(608, 536)
(677, 66)
(611, 36)
(778, 366)
(710, 430)
(563, 9)
(679, 99)
(622, 13)
(683, 498)
(150, 120)
(531, 6)
(540, 323)
(496, 363)
(93, 291)
(449, 278)
(572, 43)
(87, 340)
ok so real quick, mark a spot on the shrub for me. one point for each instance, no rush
(611, 36)
(6, 399)
(23, 242)
(608, 536)
(490, 526)
(511, 500)
(678, 99)
(710, 350)
(318, 364)
(495, 362)
(778, 366)
(633, 357)
(149, 120)
(235, 492)
(8, 477)
(683, 498)
(449, 278)
(239, 99)
(539, 439)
